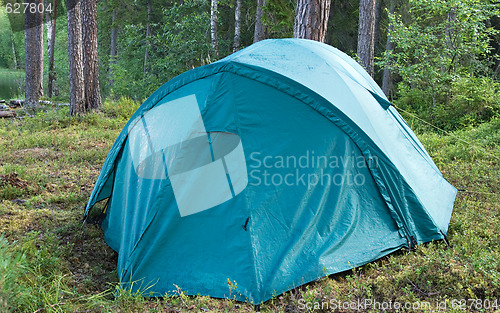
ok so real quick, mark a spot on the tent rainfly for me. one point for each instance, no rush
(277, 165)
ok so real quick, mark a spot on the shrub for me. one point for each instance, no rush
(443, 56)
(123, 108)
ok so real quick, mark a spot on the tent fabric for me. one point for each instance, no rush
(275, 166)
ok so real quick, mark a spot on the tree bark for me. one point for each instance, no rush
(90, 57)
(148, 34)
(237, 26)
(16, 65)
(259, 31)
(378, 9)
(213, 28)
(389, 46)
(75, 58)
(113, 51)
(8, 114)
(366, 35)
(311, 19)
(33, 36)
(48, 25)
(450, 28)
(52, 73)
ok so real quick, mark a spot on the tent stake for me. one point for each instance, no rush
(445, 239)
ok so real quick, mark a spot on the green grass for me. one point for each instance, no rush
(50, 262)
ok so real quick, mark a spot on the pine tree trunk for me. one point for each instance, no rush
(311, 19)
(213, 28)
(52, 74)
(90, 57)
(112, 51)
(259, 31)
(389, 46)
(378, 9)
(33, 35)
(237, 26)
(75, 58)
(148, 34)
(366, 35)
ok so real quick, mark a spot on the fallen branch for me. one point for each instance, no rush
(427, 294)
(7, 114)
(19, 103)
(16, 103)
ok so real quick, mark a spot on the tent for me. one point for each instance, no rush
(277, 165)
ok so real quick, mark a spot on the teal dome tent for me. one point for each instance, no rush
(280, 164)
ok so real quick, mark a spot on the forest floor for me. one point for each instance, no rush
(51, 262)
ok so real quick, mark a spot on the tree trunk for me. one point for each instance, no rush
(52, 73)
(237, 26)
(112, 52)
(213, 28)
(148, 34)
(90, 58)
(8, 114)
(311, 19)
(48, 25)
(75, 58)
(389, 46)
(378, 9)
(33, 36)
(259, 31)
(366, 35)
(16, 66)
(450, 28)
(450, 39)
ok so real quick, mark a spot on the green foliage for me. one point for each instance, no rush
(343, 26)
(183, 42)
(128, 71)
(6, 56)
(443, 55)
(122, 109)
(279, 18)
(61, 68)
(472, 99)
(10, 43)
(179, 43)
